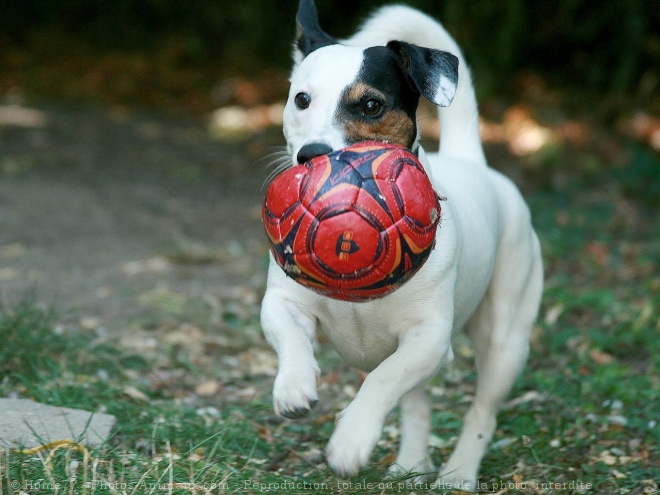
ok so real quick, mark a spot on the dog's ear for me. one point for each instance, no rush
(433, 72)
(309, 35)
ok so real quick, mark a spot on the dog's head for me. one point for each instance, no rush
(343, 94)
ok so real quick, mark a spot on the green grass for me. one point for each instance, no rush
(582, 419)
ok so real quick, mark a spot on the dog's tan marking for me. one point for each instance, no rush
(359, 90)
(393, 126)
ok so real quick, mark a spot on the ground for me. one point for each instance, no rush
(108, 212)
(141, 231)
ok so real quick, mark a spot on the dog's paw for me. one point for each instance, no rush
(295, 397)
(351, 444)
(457, 481)
(460, 472)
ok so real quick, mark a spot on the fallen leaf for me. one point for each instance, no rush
(553, 314)
(196, 456)
(505, 442)
(157, 264)
(264, 432)
(531, 396)
(246, 393)
(607, 458)
(136, 394)
(600, 357)
(207, 388)
(261, 362)
(90, 322)
(599, 252)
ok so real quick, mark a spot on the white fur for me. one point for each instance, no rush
(485, 275)
(324, 74)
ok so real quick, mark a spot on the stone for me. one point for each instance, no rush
(26, 424)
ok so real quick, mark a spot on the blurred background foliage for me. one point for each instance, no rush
(610, 46)
(572, 86)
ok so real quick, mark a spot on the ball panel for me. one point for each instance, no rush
(343, 194)
(284, 257)
(284, 190)
(282, 207)
(316, 177)
(378, 171)
(372, 202)
(415, 235)
(386, 193)
(387, 168)
(300, 241)
(419, 204)
(346, 245)
(280, 228)
(326, 174)
(307, 274)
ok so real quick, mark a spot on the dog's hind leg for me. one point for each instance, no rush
(500, 332)
(415, 429)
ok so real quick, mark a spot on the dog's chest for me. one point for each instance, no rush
(361, 334)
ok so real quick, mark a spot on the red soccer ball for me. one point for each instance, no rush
(354, 224)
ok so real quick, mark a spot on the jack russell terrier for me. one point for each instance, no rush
(485, 274)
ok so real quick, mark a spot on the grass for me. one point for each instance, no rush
(582, 418)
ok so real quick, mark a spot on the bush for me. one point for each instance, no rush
(608, 45)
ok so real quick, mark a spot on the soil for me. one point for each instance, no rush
(107, 214)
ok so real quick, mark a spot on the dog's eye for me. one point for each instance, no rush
(372, 108)
(302, 100)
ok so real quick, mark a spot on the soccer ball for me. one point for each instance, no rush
(354, 224)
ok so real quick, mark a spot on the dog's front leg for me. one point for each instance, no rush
(291, 333)
(421, 351)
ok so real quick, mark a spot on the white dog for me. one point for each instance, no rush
(485, 274)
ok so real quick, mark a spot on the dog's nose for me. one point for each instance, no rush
(311, 150)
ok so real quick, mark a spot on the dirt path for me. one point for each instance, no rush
(109, 216)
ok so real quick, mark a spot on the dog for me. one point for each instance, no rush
(485, 274)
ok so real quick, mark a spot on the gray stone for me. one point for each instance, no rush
(25, 424)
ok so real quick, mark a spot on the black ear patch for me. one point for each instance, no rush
(433, 72)
(309, 35)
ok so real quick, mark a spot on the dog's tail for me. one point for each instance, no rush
(460, 121)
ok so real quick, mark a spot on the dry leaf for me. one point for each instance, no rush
(599, 252)
(261, 362)
(207, 388)
(136, 394)
(157, 264)
(600, 357)
(553, 314)
(607, 458)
